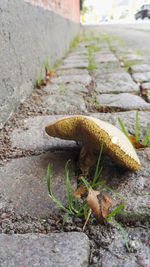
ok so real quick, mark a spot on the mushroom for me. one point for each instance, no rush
(91, 132)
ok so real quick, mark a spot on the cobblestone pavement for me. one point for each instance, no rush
(102, 78)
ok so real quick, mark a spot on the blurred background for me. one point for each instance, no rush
(97, 11)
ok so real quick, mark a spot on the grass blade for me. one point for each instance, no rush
(122, 127)
(114, 192)
(124, 233)
(98, 168)
(69, 190)
(137, 127)
(115, 211)
(48, 179)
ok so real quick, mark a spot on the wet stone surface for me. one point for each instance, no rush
(62, 250)
(115, 83)
(124, 101)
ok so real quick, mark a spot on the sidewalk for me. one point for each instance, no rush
(96, 84)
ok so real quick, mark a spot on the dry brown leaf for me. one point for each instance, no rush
(80, 191)
(99, 206)
(50, 73)
(137, 145)
(93, 202)
(106, 203)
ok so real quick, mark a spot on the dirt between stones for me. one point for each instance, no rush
(102, 237)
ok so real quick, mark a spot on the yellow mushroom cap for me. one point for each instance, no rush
(92, 132)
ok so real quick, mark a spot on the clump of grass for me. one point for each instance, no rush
(79, 208)
(95, 101)
(146, 139)
(39, 79)
(128, 64)
(48, 67)
(91, 60)
(74, 42)
(139, 52)
(73, 206)
(62, 89)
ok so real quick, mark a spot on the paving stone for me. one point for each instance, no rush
(146, 85)
(141, 77)
(117, 254)
(84, 79)
(131, 57)
(107, 67)
(65, 89)
(124, 101)
(72, 57)
(67, 104)
(75, 64)
(24, 137)
(142, 67)
(72, 72)
(100, 58)
(75, 59)
(61, 250)
(133, 186)
(115, 83)
(23, 182)
(82, 52)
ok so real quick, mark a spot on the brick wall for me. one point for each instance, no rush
(67, 8)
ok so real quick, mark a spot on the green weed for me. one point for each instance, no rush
(91, 60)
(128, 64)
(80, 208)
(139, 52)
(39, 79)
(62, 89)
(95, 101)
(74, 43)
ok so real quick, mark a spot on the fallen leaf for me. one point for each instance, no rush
(99, 204)
(80, 191)
(93, 202)
(50, 73)
(106, 203)
(137, 145)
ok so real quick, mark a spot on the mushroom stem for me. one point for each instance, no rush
(86, 160)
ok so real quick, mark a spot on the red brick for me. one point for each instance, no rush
(67, 8)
